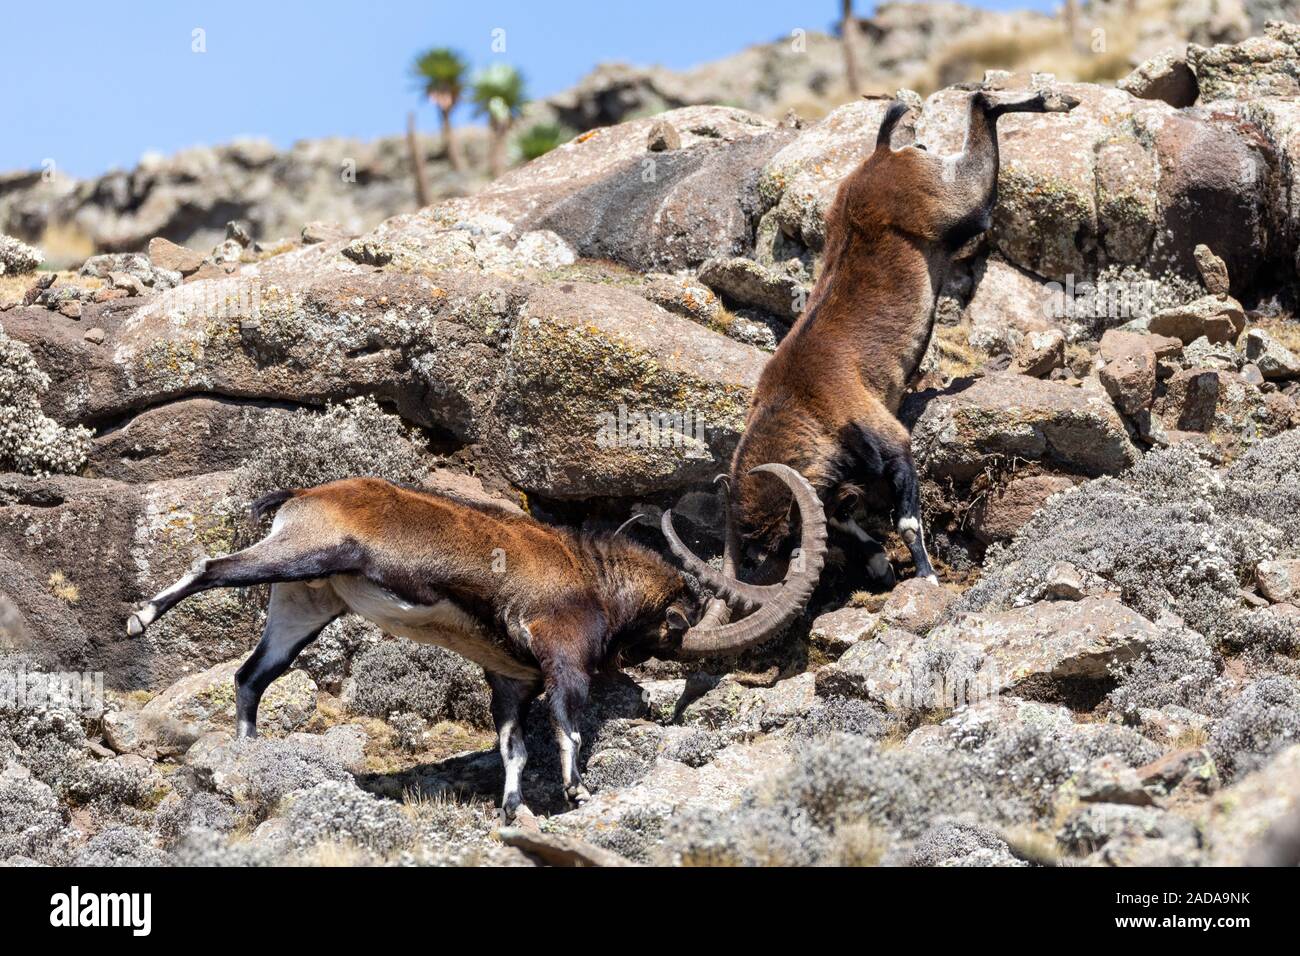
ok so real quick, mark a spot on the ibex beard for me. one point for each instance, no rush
(539, 608)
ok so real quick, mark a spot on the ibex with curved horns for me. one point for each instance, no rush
(827, 402)
(537, 607)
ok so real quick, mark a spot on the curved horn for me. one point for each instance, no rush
(717, 612)
(724, 584)
(792, 594)
(628, 523)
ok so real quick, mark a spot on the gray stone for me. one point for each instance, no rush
(1273, 359)
(1279, 581)
(1007, 415)
(1166, 77)
(835, 632)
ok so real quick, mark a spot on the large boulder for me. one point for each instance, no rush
(1240, 823)
(610, 198)
(1260, 66)
(606, 394)
(1006, 415)
(650, 399)
(1046, 649)
(88, 550)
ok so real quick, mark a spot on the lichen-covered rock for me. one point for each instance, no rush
(1279, 581)
(1007, 305)
(1056, 640)
(1225, 404)
(836, 631)
(30, 441)
(1001, 513)
(1260, 66)
(17, 258)
(1039, 353)
(1166, 77)
(1217, 318)
(1004, 415)
(1109, 780)
(1046, 648)
(1128, 372)
(607, 394)
(138, 539)
(1239, 819)
(1115, 834)
(916, 605)
(1190, 768)
(130, 270)
(750, 283)
(1272, 358)
(906, 674)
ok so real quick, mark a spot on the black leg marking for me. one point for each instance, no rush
(901, 472)
(510, 700)
(566, 695)
(294, 618)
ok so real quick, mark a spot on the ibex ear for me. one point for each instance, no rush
(676, 617)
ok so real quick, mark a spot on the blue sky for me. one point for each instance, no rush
(92, 85)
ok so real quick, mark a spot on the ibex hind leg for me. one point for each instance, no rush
(510, 700)
(295, 616)
(275, 558)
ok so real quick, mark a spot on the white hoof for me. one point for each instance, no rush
(134, 626)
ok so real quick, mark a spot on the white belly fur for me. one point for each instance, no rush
(443, 623)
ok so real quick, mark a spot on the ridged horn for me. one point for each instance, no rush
(788, 598)
(724, 583)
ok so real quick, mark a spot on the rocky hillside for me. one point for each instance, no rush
(189, 197)
(1107, 430)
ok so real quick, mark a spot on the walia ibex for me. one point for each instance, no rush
(827, 401)
(540, 608)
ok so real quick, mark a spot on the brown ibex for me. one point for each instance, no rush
(538, 607)
(827, 401)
